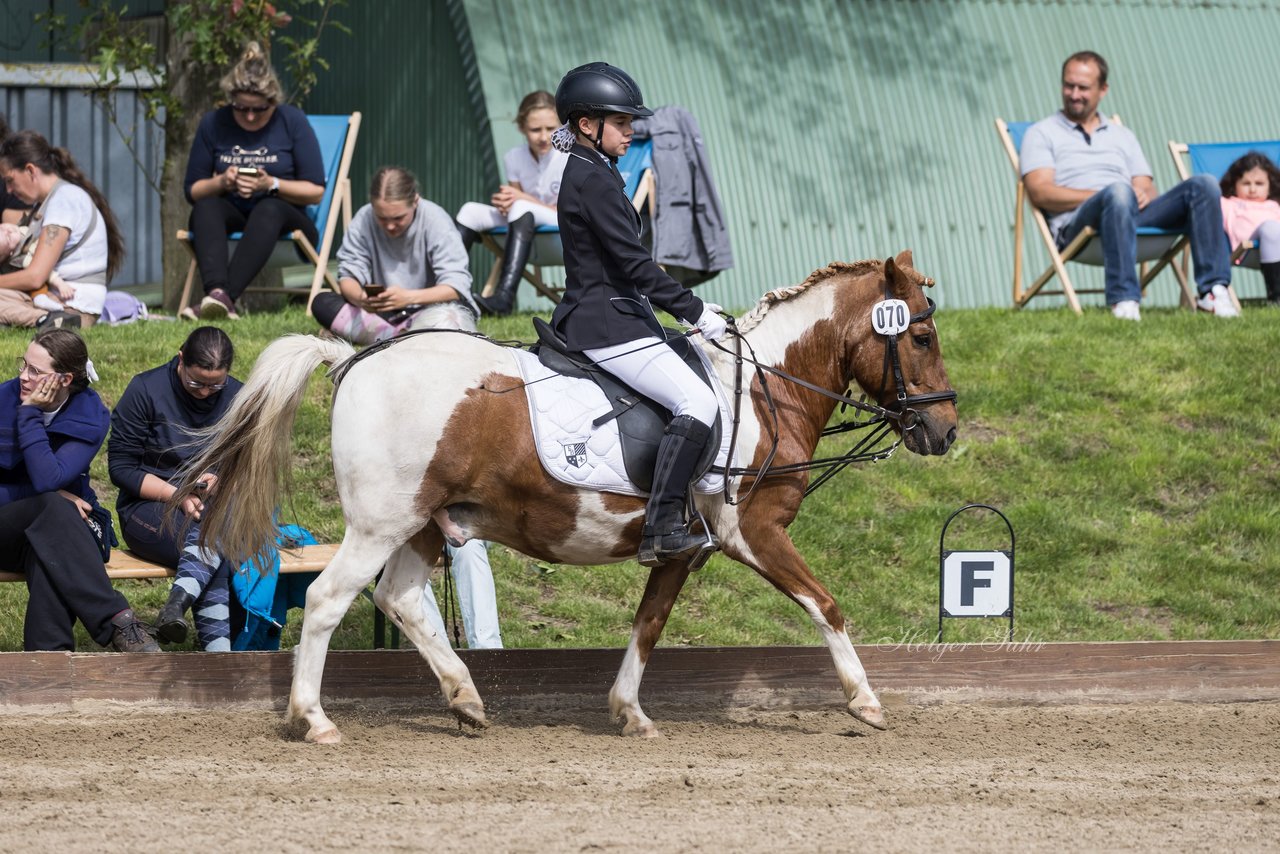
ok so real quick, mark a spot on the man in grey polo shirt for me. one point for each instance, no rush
(1083, 170)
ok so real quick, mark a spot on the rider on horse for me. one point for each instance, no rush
(611, 284)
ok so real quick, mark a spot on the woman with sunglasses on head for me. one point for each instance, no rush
(255, 165)
(51, 526)
(151, 432)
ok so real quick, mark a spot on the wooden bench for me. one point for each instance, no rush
(124, 564)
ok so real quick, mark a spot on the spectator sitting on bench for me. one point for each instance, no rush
(51, 525)
(151, 433)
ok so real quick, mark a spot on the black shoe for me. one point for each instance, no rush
(59, 320)
(171, 625)
(130, 635)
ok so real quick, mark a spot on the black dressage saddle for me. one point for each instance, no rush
(641, 421)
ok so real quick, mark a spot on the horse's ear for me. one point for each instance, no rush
(903, 276)
(898, 275)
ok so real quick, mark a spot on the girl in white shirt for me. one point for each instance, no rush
(78, 240)
(526, 201)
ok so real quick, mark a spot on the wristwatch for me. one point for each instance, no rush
(275, 187)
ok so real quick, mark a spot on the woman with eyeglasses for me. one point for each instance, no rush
(51, 525)
(151, 435)
(255, 165)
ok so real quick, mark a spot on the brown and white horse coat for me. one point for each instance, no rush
(431, 438)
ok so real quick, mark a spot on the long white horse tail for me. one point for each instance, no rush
(249, 448)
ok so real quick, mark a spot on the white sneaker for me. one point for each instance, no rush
(1127, 309)
(1219, 302)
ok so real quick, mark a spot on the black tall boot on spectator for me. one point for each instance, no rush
(171, 625)
(468, 236)
(1271, 275)
(516, 255)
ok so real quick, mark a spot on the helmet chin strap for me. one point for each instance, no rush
(600, 141)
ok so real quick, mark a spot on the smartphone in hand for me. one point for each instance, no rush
(250, 171)
(374, 290)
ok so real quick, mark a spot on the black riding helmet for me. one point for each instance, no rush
(598, 89)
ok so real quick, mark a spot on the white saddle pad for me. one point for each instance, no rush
(575, 451)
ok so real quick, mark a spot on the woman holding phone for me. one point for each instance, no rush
(401, 266)
(255, 165)
(150, 442)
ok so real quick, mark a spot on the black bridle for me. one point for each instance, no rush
(879, 424)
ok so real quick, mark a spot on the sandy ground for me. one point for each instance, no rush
(950, 776)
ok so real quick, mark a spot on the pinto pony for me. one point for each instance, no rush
(463, 465)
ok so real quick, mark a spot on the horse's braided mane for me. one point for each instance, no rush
(752, 318)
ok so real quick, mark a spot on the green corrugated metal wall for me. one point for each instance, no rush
(839, 129)
(845, 129)
(406, 68)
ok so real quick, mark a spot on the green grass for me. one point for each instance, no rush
(1138, 464)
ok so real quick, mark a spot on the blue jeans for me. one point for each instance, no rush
(1193, 206)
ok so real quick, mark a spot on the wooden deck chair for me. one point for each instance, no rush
(1154, 244)
(1214, 158)
(636, 169)
(337, 137)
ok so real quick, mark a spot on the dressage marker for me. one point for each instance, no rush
(975, 583)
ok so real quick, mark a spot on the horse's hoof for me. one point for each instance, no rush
(471, 714)
(324, 736)
(640, 730)
(872, 716)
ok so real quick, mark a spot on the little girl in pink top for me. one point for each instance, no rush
(1250, 211)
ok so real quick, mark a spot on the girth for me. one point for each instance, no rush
(641, 421)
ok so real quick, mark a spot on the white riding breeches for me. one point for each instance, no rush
(478, 217)
(652, 368)
(477, 599)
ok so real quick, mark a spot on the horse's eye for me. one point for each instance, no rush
(923, 341)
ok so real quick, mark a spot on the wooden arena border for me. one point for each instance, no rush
(1193, 671)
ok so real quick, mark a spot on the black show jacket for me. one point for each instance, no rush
(610, 280)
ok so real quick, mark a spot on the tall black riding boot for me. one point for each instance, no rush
(171, 625)
(1271, 275)
(468, 236)
(666, 535)
(516, 255)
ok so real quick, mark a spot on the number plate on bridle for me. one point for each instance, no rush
(890, 317)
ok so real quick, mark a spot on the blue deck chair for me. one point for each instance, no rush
(1214, 158)
(337, 137)
(1154, 244)
(636, 169)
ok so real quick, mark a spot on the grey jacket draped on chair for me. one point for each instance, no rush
(690, 229)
